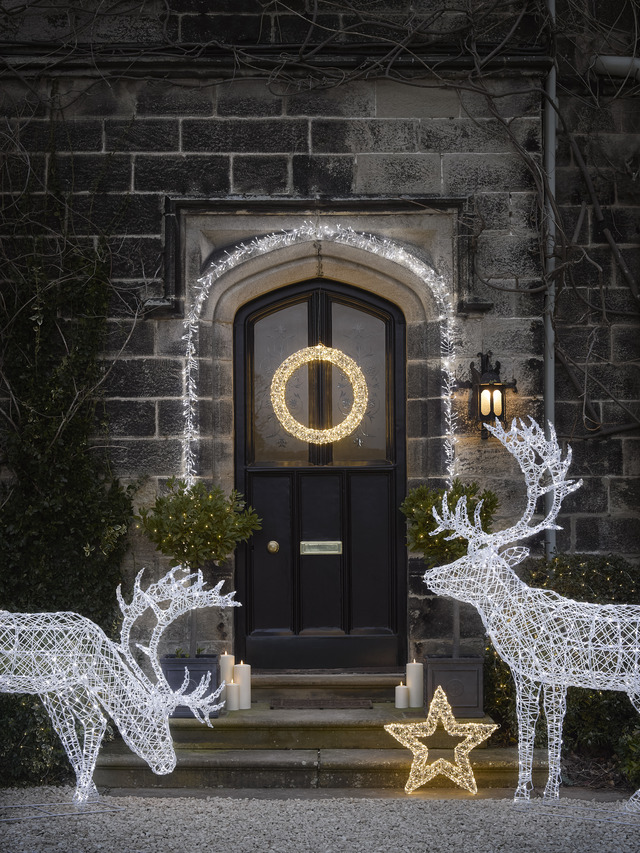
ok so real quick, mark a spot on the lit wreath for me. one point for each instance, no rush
(351, 371)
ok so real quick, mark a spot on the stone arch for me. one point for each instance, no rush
(382, 267)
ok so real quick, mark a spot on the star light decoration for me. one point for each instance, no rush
(409, 734)
(351, 371)
(311, 232)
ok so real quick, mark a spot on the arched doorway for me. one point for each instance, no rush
(331, 591)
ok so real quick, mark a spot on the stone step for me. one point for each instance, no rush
(303, 768)
(263, 728)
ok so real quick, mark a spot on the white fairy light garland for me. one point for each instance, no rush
(310, 232)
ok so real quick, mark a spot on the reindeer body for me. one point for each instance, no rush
(549, 642)
(76, 670)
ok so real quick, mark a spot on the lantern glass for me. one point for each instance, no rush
(485, 402)
(497, 402)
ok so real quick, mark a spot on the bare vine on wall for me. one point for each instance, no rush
(323, 44)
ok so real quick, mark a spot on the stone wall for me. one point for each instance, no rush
(124, 143)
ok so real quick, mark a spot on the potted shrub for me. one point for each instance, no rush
(195, 525)
(460, 677)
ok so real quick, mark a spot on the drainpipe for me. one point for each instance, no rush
(617, 66)
(550, 127)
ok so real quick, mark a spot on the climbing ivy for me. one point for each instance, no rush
(63, 515)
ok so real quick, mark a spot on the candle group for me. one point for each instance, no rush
(237, 677)
(411, 694)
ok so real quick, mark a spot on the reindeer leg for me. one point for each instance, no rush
(528, 707)
(633, 803)
(555, 706)
(64, 709)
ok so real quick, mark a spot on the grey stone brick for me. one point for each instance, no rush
(142, 135)
(185, 175)
(80, 135)
(118, 214)
(356, 101)
(145, 377)
(395, 99)
(460, 135)
(417, 384)
(618, 301)
(97, 97)
(624, 495)
(592, 497)
(619, 380)
(508, 256)
(294, 30)
(129, 337)
(631, 457)
(230, 29)
(136, 418)
(397, 174)
(571, 189)
(323, 175)
(596, 458)
(135, 257)
(625, 114)
(236, 7)
(606, 535)
(248, 98)
(471, 173)
(92, 172)
(339, 136)
(511, 97)
(175, 98)
(260, 175)
(625, 343)
(171, 419)
(18, 98)
(417, 418)
(261, 136)
(582, 343)
(145, 457)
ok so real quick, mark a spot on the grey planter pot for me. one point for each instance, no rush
(173, 669)
(461, 679)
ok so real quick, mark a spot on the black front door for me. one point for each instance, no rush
(322, 584)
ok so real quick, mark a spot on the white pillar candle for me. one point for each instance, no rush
(242, 676)
(232, 693)
(415, 683)
(402, 696)
(226, 667)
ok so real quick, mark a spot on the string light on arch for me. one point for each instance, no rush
(351, 371)
(312, 232)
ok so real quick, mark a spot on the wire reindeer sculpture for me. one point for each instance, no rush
(549, 642)
(78, 673)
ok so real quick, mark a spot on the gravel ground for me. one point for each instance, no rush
(225, 824)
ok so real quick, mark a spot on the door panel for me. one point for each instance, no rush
(321, 575)
(370, 553)
(332, 594)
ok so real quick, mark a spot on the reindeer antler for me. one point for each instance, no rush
(178, 592)
(528, 444)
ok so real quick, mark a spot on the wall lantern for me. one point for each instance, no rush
(488, 391)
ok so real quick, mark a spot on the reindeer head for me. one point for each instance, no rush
(175, 594)
(469, 578)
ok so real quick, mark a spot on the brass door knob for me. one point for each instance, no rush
(273, 547)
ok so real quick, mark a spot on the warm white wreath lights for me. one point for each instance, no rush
(78, 673)
(549, 642)
(310, 232)
(351, 371)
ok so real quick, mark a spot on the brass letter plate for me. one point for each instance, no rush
(324, 547)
